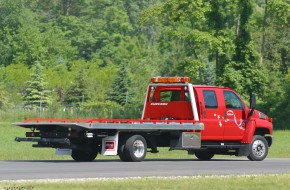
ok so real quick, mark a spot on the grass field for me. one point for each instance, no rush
(11, 150)
(265, 182)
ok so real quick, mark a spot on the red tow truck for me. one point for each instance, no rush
(203, 120)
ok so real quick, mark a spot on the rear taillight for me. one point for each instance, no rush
(72, 134)
(32, 134)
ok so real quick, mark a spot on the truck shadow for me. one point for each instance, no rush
(118, 160)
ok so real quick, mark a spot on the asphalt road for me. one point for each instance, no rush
(18, 170)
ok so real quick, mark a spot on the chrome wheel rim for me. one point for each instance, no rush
(138, 148)
(258, 148)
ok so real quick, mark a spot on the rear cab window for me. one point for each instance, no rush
(210, 99)
(169, 94)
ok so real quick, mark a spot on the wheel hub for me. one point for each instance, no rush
(259, 148)
(138, 148)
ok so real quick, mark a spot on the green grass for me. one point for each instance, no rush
(281, 144)
(263, 182)
(12, 150)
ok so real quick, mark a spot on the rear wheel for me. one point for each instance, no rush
(84, 155)
(123, 156)
(258, 148)
(204, 155)
(121, 150)
(135, 149)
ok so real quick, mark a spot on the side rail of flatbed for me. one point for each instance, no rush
(116, 124)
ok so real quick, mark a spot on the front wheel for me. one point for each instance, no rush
(258, 148)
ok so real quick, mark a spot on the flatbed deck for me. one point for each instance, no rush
(116, 124)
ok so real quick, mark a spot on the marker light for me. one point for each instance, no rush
(32, 134)
(170, 79)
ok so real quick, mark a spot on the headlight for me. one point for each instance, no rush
(262, 116)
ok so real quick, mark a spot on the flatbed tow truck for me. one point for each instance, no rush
(203, 120)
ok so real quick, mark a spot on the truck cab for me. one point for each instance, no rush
(230, 126)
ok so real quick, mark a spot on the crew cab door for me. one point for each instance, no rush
(235, 116)
(211, 114)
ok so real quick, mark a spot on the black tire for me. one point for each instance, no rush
(121, 150)
(258, 148)
(123, 156)
(86, 155)
(204, 155)
(135, 148)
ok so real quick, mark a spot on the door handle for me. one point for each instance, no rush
(225, 114)
(204, 114)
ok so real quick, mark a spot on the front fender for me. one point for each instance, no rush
(258, 127)
(249, 133)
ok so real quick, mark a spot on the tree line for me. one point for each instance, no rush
(101, 53)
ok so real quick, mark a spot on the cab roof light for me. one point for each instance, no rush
(170, 79)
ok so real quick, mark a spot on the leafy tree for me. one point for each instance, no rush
(59, 79)
(28, 45)
(36, 93)
(75, 7)
(77, 92)
(117, 21)
(99, 80)
(187, 39)
(82, 33)
(221, 21)
(4, 98)
(120, 87)
(243, 52)
(277, 45)
(26, 40)
(47, 45)
(13, 79)
(243, 73)
(11, 13)
(279, 104)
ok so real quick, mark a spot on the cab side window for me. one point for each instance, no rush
(232, 101)
(210, 100)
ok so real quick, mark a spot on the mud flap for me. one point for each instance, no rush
(110, 145)
(244, 150)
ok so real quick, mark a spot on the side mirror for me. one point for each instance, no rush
(252, 101)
